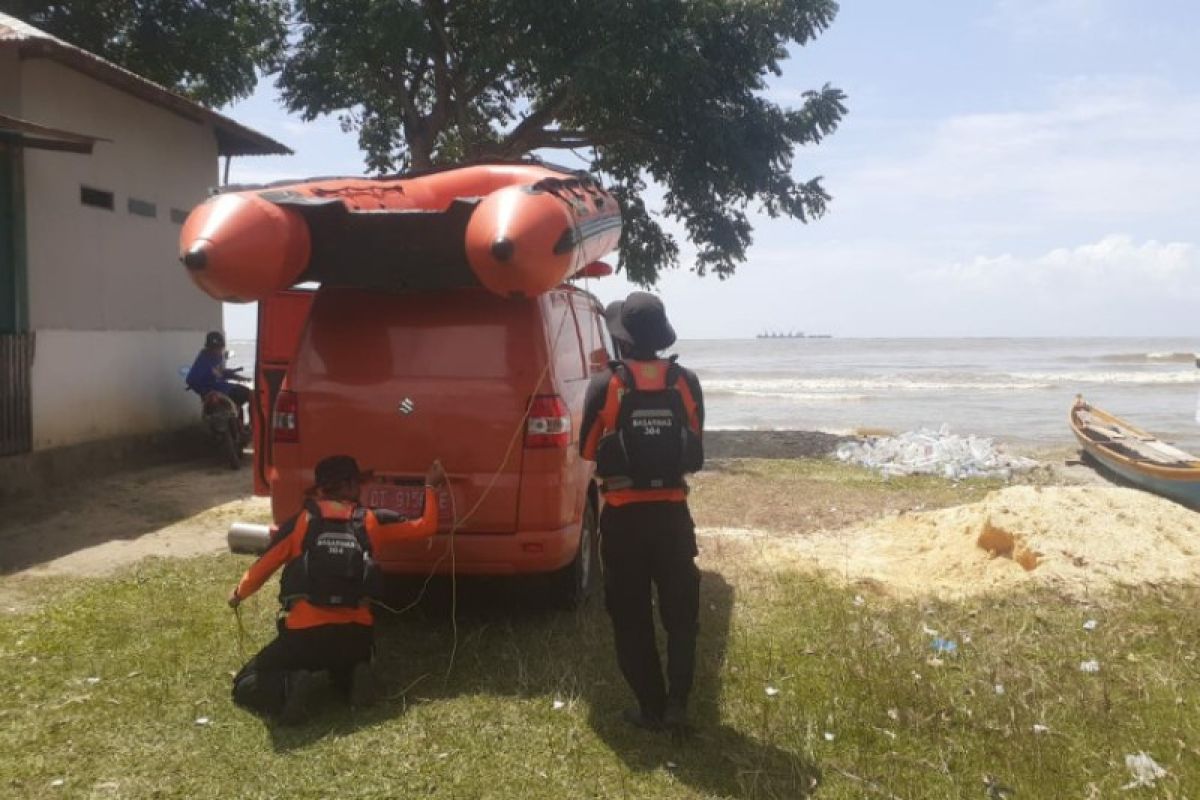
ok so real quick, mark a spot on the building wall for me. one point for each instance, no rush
(106, 384)
(10, 83)
(114, 312)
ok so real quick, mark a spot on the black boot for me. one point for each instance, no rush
(640, 719)
(298, 687)
(675, 718)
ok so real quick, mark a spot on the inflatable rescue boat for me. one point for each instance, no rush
(518, 229)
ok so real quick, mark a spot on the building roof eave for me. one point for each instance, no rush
(32, 134)
(233, 138)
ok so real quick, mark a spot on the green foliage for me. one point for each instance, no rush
(668, 90)
(209, 50)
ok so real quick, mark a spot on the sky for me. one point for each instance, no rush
(1007, 168)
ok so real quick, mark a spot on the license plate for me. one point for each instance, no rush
(407, 500)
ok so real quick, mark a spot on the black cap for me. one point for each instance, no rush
(640, 320)
(214, 339)
(336, 470)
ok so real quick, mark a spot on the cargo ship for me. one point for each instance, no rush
(792, 335)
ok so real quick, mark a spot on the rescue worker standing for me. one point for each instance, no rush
(642, 424)
(329, 578)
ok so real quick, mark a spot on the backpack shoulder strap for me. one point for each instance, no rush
(674, 373)
(620, 371)
(358, 524)
(315, 519)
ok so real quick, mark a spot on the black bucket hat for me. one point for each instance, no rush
(336, 470)
(214, 339)
(640, 320)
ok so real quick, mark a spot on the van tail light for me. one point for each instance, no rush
(286, 420)
(549, 423)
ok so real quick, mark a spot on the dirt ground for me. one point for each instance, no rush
(185, 509)
(94, 528)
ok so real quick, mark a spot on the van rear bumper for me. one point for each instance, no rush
(522, 553)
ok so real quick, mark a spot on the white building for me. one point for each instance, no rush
(98, 168)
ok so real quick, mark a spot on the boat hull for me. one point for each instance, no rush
(1178, 480)
(515, 229)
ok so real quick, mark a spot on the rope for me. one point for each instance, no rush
(460, 522)
(241, 632)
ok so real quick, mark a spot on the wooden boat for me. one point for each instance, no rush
(514, 228)
(1137, 457)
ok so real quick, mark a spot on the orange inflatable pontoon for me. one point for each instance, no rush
(514, 228)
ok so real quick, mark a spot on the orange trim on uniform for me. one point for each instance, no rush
(606, 420)
(304, 614)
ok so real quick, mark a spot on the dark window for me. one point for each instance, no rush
(178, 217)
(142, 208)
(97, 198)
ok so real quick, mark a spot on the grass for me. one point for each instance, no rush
(794, 496)
(861, 711)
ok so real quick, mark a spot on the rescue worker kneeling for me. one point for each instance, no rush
(329, 578)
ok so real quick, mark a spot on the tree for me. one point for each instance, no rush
(669, 91)
(209, 50)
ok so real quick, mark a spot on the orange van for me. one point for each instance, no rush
(493, 387)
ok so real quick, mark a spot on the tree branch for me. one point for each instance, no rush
(435, 11)
(523, 138)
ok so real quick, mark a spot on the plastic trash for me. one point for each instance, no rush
(947, 646)
(1090, 625)
(934, 452)
(999, 688)
(772, 691)
(1089, 666)
(202, 720)
(829, 737)
(558, 704)
(1038, 728)
(1144, 769)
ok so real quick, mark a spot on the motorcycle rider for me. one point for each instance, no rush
(209, 374)
(327, 552)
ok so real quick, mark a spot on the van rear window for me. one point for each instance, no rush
(360, 338)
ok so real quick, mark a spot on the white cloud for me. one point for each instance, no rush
(1104, 152)
(1116, 263)
(1113, 286)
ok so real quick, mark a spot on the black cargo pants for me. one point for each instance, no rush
(261, 685)
(644, 544)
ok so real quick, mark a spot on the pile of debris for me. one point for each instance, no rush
(935, 452)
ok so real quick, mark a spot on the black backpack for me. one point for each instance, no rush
(653, 446)
(336, 568)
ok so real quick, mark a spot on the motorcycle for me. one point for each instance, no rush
(222, 419)
(223, 422)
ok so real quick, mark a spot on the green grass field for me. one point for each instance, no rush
(804, 689)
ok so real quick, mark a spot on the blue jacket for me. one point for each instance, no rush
(208, 373)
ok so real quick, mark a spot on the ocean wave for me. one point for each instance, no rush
(793, 397)
(1057, 379)
(816, 390)
(853, 388)
(1148, 358)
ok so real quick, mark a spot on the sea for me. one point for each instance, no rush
(1017, 391)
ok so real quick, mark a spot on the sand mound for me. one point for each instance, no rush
(1076, 539)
